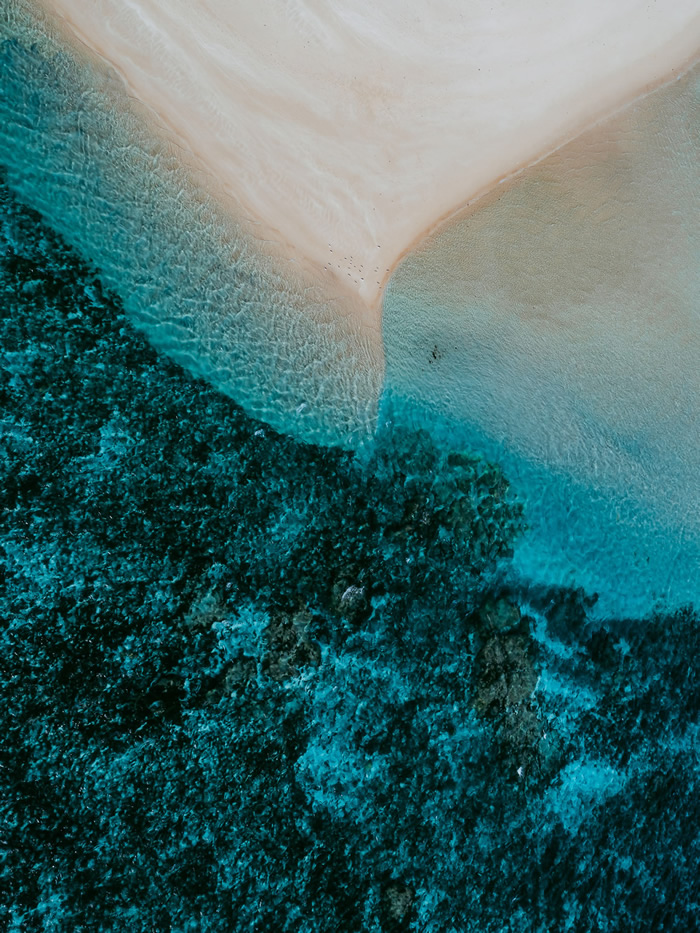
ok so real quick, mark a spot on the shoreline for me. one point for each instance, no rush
(187, 272)
(345, 199)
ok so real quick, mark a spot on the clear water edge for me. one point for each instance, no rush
(197, 286)
(195, 280)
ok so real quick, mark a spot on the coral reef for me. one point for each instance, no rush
(249, 684)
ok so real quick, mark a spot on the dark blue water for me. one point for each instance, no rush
(249, 683)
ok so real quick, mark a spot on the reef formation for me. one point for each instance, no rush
(253, 684)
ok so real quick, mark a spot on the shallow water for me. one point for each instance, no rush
(250, 683)
(556, 323)
(201, 287)
(253, 684)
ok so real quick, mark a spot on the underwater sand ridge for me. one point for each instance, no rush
(564, 309)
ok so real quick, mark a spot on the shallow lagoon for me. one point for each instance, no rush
(255, 684)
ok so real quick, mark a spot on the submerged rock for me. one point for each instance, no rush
(396, 907)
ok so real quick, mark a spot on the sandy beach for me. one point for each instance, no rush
(343, 131)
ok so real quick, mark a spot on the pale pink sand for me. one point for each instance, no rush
(345, 129)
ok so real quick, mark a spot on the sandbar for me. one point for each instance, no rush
(343, 131)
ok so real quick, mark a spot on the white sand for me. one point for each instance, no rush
(346, 129)
(564, 310)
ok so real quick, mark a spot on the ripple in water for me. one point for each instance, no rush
(200, 285)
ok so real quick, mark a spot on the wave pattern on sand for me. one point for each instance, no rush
(199, 285)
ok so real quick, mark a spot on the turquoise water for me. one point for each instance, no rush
(556, 327)
(195, 282)
(251, 683)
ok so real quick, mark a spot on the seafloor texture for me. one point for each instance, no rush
(201, 287)
(558, 323)
(252, 685)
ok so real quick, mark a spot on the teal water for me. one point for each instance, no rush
(249, 683)
(200, 286)
(556, 327)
